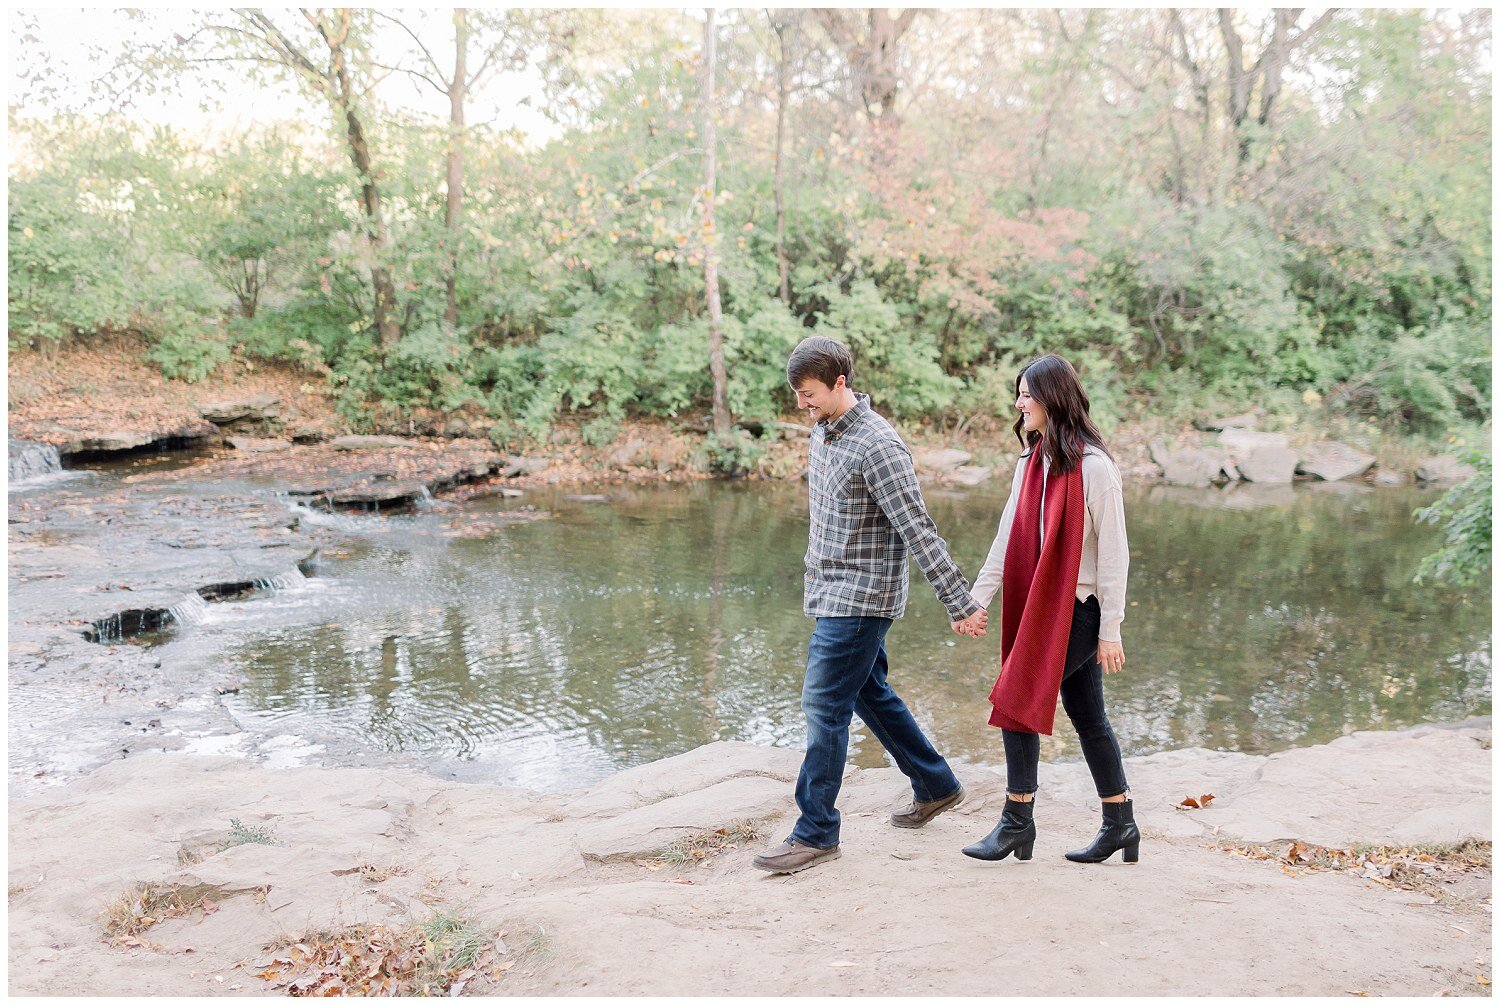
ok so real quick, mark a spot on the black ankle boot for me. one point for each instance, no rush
(1119, 831)
(1016, 832)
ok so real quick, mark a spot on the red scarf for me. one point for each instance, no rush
(1039, 588)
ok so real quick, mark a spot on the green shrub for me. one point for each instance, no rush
(735, 455)
(1466, 514)
(189, 355)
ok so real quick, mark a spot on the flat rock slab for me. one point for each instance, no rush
(69, 441)
(382, 493)
(257, 445)
(970, 475)
(1443, 468)
(1247, 420)
(1411, 787)
(1195, 467)
(1199, 915)
(518, 466)
(696, 769)
(258, 406)
(941, 461)
(1240, 441)
(368, 442)
(1268, 465)
(644, 832)
(1333, 461)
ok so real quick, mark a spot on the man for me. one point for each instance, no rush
(866, 514)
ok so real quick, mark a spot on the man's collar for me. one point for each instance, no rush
(840, 426)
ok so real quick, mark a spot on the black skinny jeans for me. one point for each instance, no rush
(1083, 699)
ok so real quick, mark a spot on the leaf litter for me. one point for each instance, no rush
(1423, 869)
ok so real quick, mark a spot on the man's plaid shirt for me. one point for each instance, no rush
(866, 513)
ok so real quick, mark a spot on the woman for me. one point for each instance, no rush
(1061, 557)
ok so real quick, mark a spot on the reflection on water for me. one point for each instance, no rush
(552, 653)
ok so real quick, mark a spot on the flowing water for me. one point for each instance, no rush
(552, 653)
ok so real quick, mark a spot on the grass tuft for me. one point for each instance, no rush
(699, 848)
(241, 834)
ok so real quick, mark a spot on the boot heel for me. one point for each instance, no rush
(1133, 852)
(1023, 853)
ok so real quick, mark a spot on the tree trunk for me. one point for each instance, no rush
(457, 91)
(711, 238)
(1241, 81)
(873, 58)
(783, 96)
(387, 322)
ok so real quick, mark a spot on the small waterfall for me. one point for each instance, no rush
(108, 632)
(190, 610)
(30, 461)
(346, 522)
(423, 501)
(293, 580)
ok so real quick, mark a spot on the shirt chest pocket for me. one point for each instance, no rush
(855, 504)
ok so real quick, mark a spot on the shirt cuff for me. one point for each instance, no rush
(957, 612)
(1109, 631)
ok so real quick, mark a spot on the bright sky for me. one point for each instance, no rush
(78, 46)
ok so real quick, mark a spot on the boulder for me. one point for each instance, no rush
(1195, 466)
(456, 429)
(311, 431)
(1267, 458)
(256, 445)
(256, 408)
(793, 430)
(517, 466)
(970, 475)
(1246, 421)
(23, 391)
(672, 454)
(1443, 468)
(1333, 462)
(1241, 441)
(629, 454)
(941, 461)
(1387, 477)
(1269, 465)
(368, 442)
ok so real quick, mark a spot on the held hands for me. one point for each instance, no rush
(1111, 656)
(974, 625)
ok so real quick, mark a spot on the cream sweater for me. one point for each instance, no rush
(1106, 555)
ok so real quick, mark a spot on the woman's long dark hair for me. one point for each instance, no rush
(1054, 385)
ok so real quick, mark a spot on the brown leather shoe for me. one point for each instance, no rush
(916, 814)
(792, 856)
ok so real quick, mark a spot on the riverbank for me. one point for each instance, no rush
(643, 884)
(102, 399)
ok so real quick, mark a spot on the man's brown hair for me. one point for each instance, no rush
(821, 358)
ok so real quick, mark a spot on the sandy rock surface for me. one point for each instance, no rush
(902, 912)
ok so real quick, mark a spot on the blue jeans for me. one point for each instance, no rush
(1083, 699)
(846, 671)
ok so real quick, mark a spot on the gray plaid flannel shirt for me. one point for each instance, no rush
(866, 513)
